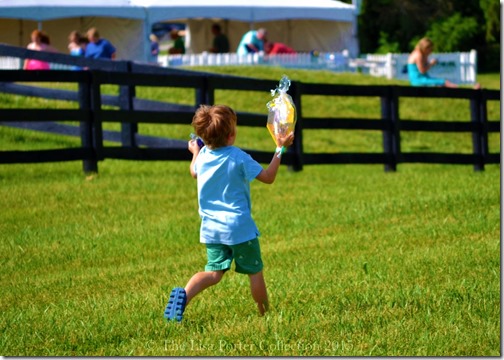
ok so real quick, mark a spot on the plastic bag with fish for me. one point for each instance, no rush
(282, 112)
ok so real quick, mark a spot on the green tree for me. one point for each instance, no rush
(454, 25)
(400, 20)
(455, 33)
(386, 45)
(491, 12)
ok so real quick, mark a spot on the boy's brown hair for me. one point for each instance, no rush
(214, 124)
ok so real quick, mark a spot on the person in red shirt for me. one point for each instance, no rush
(273, 48)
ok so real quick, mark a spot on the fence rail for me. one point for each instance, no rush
(91, 116)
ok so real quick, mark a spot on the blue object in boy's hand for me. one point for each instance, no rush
(198, 140)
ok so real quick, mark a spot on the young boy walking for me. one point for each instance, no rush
(223, 174)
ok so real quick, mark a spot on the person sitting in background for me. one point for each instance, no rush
(75, 46)
(178, 43)
(252, 42)
(99, 48)
(419, 65)
(220, 44)
(39, 42)
(46, 40)
(273, 48)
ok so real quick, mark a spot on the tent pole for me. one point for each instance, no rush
(147, 29)
(21, 33)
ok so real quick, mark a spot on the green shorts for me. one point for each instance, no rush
(247, 257)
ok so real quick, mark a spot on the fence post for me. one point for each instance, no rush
(473, 65)
(205, 94)
(297, 147)
(391, 136)
(96, 105)
(86, 127)
(126, 95)
(389, 66)
(484, 127)
(480, 135)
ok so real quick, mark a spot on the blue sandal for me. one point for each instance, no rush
(176, 305)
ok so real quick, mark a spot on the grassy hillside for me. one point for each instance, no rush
(358, 261)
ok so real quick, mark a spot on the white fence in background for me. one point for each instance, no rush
(13, 63)
(460, 68)
(10, 63)
(313, 60)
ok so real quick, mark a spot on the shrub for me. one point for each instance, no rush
(456, 33)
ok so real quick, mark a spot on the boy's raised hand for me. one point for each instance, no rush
(285, 140)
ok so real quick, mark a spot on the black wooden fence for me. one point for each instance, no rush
(132, 111)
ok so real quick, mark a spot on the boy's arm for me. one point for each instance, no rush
(193, 147)
(268, 175)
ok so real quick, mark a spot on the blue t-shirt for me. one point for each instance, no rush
(77, 52)
(249, 38)
(224, 175)
(102, 49)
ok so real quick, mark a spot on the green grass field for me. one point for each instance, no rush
(358, 261)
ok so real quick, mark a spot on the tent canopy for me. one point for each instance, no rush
(325, 25)
(43, 10)
(247, 10)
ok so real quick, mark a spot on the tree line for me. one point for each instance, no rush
(453, 25)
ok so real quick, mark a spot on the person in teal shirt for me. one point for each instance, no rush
(252, 42)
(223, 173)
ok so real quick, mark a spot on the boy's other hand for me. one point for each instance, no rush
(193, 147)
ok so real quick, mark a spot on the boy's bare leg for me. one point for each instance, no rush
(200, 281)
(259, 293)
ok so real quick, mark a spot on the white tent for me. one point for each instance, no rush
(117, 20)
(323, 25)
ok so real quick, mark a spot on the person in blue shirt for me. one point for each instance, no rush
(223, 173)
(252, 42)
(99, 48)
